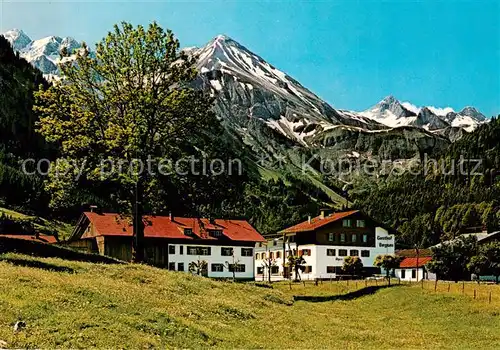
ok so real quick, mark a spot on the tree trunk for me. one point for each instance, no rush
(138, 225)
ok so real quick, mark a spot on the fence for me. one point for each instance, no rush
(486, 293)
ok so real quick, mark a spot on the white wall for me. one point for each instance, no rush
(408, 274)
(319, 260)
(215, 258)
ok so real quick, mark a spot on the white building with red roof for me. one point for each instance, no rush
(324, 242)
(174, 242)
(412, 269)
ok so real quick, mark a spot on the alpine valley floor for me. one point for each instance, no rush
(82, 305)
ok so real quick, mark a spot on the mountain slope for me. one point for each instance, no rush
(279, 118)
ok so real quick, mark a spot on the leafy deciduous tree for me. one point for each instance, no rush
(129, 104)
(352, 265)
(388, 263)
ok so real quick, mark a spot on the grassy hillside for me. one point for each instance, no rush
(39, 224)
(82, 305)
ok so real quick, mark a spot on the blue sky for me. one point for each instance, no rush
(350, 53)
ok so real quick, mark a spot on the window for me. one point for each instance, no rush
(217, 268)
(237, 268)
(180, 266)
(188, 232)
(330, 252)
(275, 270)
(246, 251)
(342, 252)
(215, 233)
(171, 266)
(353, 238)
(224, 251)
(330, 269)
(354, 252)
(365, 238)
(306, 252)
(275, 242)
(347, 223)
(271, 255)
(257, 255)
(342, 237)
(278, 255)
(198, 250)
(181, 249)
(403, 274)
(291, 239)
(365, 253)
(413, 274)
(260, 270)
(205, 251)
(171, 249)
(331, 237)
(360, 223)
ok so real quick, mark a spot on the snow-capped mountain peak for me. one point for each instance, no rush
(473, 113)
(43, 53)
(17, 38)
(393, 113)
(224, 59)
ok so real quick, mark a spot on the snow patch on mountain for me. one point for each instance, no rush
(393, 113)
(441, 112)
(17, 38)
(43, 53)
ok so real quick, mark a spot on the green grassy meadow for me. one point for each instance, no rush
(83, 305)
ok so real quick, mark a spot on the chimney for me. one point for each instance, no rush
(93, 208)
(325, 212)
(171, 217)
(309, 219)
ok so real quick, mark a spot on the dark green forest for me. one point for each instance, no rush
(425, 209)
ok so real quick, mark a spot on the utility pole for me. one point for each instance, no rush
(417, 251)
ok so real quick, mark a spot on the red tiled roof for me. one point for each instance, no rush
(318, 222)
(42, 238)
(412, 262)
(110, 224)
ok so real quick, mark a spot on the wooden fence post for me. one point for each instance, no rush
(435, 285)
(449, 287)
(423, 283)
(366, 283)
(474, 293)
(463, 287)
(489, 298)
